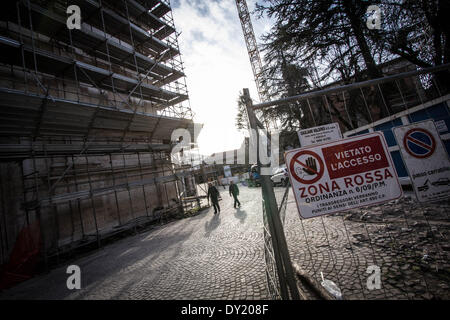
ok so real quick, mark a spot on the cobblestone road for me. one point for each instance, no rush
(203, 257)
(406, 240)
(221, 256)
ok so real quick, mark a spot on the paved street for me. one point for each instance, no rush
(204, 257)
(221, 257)
(406, 240)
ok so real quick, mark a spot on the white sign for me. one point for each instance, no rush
(342, 175)
(326, 133)
(441, 126)
(227, 171)
(426, 159)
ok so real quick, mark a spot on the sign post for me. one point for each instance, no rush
(342, 175)
(426, 159)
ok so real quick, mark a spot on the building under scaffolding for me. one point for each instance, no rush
(86, 121)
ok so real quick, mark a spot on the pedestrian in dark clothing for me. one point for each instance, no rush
(234, 191)
(213, 194)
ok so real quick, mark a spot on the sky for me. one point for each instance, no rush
(217, 66)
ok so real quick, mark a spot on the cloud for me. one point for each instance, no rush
(217, 67)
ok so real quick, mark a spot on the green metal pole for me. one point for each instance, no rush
(281, 253)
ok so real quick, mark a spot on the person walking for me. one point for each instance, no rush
(234, 191)
(213, 194)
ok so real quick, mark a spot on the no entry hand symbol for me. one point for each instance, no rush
(306, 167)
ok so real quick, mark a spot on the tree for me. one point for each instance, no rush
(314, 43)
(330, 31)
(330, 34)
(334, 33)
(241, 117)
(283, 79)
(418, 31)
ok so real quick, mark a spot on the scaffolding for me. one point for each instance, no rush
(86, 120)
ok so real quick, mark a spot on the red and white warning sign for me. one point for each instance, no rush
(342, 175)
(426, 159)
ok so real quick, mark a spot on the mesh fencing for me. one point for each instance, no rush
(403, 243)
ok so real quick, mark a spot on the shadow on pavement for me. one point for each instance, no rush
(98, 267)
(241, 215)
(212, 224)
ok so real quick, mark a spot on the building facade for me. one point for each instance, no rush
(86, 121)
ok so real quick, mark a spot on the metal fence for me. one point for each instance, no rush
(269, 255)
(404, 240)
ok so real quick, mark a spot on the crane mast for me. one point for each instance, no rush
(252, 47)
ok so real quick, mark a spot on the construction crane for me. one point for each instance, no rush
(253, 54)
(252, 47)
